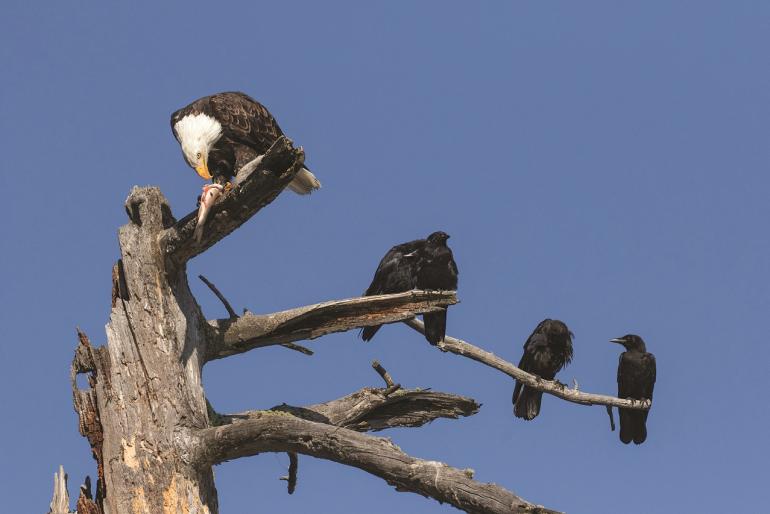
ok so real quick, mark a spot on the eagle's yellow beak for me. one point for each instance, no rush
(203, 169)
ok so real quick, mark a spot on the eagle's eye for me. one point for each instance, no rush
(198, 155)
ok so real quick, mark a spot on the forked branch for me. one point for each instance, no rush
(251, 331)
(279, 432)
(465, 349)
(254, 191)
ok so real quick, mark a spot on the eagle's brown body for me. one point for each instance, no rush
(247, 132)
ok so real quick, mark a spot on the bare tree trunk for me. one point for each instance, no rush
(146, 400)
(148, 378)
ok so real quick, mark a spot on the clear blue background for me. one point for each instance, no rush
(605, 163)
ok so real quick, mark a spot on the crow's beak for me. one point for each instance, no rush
(618, 340)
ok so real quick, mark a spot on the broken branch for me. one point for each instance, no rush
(383, 373)
(291, 478)
(373, 409)
(612, 418)
(218, 294)
(233, 315)
(252, 331)
(60, 503)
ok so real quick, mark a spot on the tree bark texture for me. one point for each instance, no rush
(147, 378)
(233, 336)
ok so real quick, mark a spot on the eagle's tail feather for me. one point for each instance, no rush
(304, 182)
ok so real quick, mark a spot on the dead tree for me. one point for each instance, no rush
(145, 414)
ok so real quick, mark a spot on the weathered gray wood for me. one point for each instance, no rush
(465, 349)
(280, 432)
(372, 409)
(251, 331)
(61, 498)
(233, 315)
(253, 192)
(60, 503)
(85, 403)
(146, 393)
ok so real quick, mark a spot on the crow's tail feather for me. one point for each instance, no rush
(633, 426)
(367, 333)
(435, 326)
(527, 405)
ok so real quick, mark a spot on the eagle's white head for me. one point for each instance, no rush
(196, 134)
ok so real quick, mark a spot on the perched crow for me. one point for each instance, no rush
(436, 269)
(636, 379)
(546, 351)
(422, 264)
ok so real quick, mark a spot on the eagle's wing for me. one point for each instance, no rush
(245, 121)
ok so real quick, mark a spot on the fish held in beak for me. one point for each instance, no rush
(211, 193)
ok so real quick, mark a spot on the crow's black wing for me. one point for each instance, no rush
(397, 269)
(634, 374)
(535, 343)
(649, 375)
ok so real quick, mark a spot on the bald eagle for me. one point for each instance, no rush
(222, 133)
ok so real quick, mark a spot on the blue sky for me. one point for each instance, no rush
(604, 163)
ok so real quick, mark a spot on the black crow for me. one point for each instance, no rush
(546, 351)
(422, 264)
(436, 269)
(636, 379)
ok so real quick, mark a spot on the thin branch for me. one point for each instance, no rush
(612, 418)
(250, 331)
(383, 373)
(298, 348)
(234, 315)
(390, 386)
(253, 192)
(219, 295)
(291, 478)
(555, 388)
